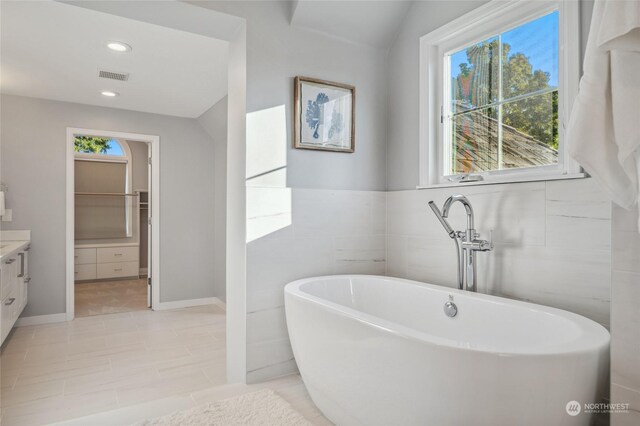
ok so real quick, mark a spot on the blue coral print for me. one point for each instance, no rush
(314, 116)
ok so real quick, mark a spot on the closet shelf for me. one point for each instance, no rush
(107, 194)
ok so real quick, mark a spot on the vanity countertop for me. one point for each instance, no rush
(13, 241)
(7, 248)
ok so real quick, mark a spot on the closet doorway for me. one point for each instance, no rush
(112, 217)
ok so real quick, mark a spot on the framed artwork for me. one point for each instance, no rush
(324, 115)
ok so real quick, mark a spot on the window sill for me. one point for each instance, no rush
(505, 180)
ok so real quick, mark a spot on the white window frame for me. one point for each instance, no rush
(480, 24)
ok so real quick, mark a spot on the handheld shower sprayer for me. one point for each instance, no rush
(442, 220)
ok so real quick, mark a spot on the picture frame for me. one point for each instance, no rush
(324, 115)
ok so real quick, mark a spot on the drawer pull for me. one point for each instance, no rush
(117, 254)
(21, 274)
(27, 280)
(10, 302)
(117, 270)
(76, 256)
(76, 272)
(9, 262)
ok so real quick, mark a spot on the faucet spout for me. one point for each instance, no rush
(467, 206)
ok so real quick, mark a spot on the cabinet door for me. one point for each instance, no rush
(19, 288)
(84, 256)
(85, 272)
(25, 292)
(8, 275)
(8, 315)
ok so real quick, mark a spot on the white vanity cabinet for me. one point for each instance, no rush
(14, 283)
(106, 262)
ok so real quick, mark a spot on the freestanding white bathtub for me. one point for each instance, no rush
(381, 351)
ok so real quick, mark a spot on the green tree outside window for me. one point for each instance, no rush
(91, 145)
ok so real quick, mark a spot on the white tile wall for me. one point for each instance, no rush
(552, 242)
(625, 316)
(299, 233)
(552, 246)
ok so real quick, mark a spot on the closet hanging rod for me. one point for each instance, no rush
(109, 194)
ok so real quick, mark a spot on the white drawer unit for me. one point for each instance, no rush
(118, 254)
(14, 282)
(106, 262)
(85, 256)
(117, 269)
(85, 272)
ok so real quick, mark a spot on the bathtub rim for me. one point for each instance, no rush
(594, 336)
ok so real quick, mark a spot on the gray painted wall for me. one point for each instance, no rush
(276, 53)
(214, 122)
(33, 166)
(404, 95)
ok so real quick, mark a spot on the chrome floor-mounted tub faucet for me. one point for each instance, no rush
(467, 242)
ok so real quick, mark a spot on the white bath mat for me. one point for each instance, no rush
(263, 407)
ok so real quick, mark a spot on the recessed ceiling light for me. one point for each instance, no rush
(118, 46)
(109, 93)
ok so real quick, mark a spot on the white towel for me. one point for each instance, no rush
(2, 206)
(604, 130)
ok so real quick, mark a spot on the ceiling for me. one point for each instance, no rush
(53, 51)
(374, 23)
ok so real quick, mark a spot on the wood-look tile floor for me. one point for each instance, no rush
(60, 371)
(127, 366)
(290, 388)
(110, 297)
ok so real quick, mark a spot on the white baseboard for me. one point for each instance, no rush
(219, 303)
(190, 303)
(41, 319)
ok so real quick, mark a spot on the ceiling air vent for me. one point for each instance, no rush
(113, 75)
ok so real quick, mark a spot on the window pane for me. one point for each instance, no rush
(97, 145)
(474, 75)
(114, 148)
(475, 141)
(530, 131)
(530, 55)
